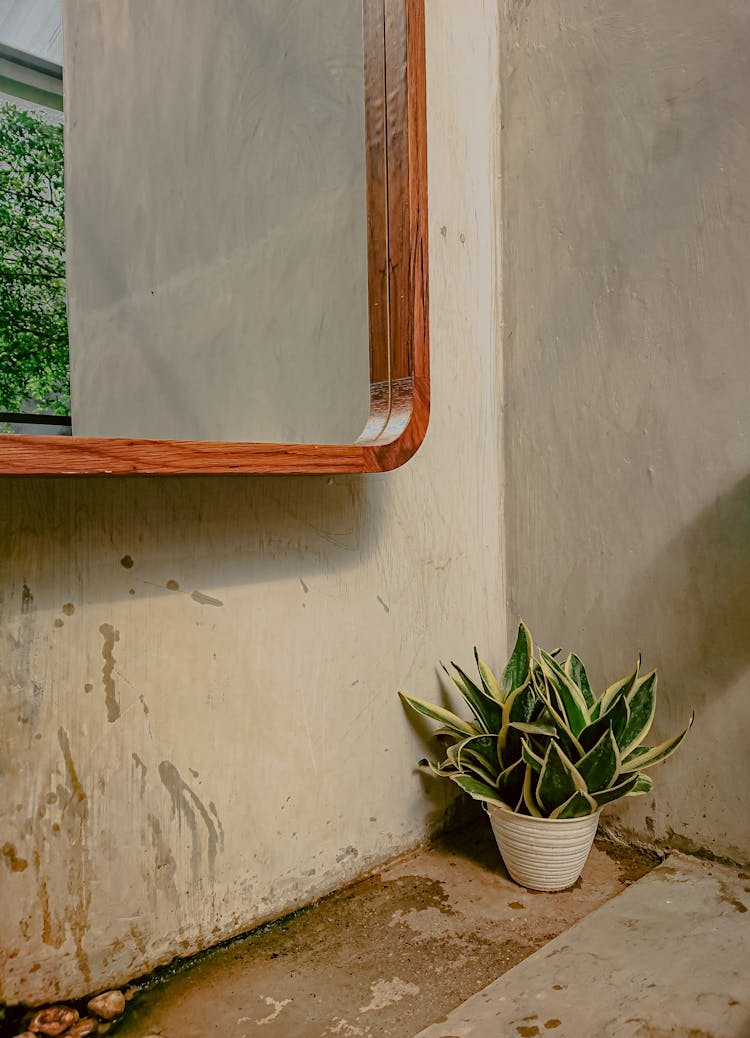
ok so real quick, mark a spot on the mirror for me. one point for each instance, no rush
(218, 273)
(245, 230)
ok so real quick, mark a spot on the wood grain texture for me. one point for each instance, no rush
(398, 300)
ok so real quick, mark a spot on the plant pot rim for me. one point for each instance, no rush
(532, 819)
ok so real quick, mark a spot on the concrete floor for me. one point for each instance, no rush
(384, 957)
(669, 957)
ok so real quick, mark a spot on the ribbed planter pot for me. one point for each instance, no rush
(543, 853)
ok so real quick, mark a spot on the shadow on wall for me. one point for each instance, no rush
(693, 603)
(134, 537)
(686, 609)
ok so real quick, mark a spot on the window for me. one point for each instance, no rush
(34, 356)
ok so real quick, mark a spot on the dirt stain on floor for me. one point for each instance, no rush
(385, 956)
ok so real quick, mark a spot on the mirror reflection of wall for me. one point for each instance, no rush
(34, 362)
(216, 208)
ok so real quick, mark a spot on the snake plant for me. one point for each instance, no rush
(540, 742)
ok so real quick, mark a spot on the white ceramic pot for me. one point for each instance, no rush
(543, 853)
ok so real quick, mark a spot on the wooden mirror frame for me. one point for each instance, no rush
(396, 165)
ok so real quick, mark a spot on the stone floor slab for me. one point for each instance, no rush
(669, 957)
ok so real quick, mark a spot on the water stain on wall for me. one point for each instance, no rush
(143, 771)
(201, 599)
(75, 814)
(12, 860)
(165, 866)
(185, 804)
(110, 636)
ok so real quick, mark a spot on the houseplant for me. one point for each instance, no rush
(545, 755)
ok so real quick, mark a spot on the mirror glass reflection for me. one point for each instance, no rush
(216, 219)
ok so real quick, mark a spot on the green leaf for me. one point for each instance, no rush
(479, 790)
(601, 764)
(642, 705)
(487, 712)
(646, 757)
(558, 780)
(575, 670)
(616, 718)
(533, 728)
(569, 742)
(569, 694)
(477, 754)
(620, 688)
(473, 765)
(491, 685)
(444, 770)
(622, 789)
(510, 783)
(519, 708)
(437, 713)
(578, 806)
(644, 784)
(516, 671)
(529, 797)
(446, 732)
(483, 746)
(530, 757)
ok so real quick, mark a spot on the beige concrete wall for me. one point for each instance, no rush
(200, 722)
(626, 200)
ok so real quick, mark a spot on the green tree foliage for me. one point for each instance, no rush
(34, 358)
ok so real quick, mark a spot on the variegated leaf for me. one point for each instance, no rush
(578, 806)
(568, 740)
(484, 746)
(444, 770)
(518, 706)
(529, 796)
(642, 705)
(620, 688)
(569, 694)
(647, 756)
(623, 788)
(530, 757)
(479, 790)
(510, 783)
(491, 685)
(533, 728)
(438, 713)
(616, 718)
(644, 784)
(600, 767)
(575, 670)
(478, 754)
(487, 712)
(559, 779)
(516, 671)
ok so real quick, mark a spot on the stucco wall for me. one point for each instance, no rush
(626, 198)
(201, 728)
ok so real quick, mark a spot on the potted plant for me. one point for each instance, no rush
(545, 755)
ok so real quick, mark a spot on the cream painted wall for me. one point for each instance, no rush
(626, 202)
(200, 722)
